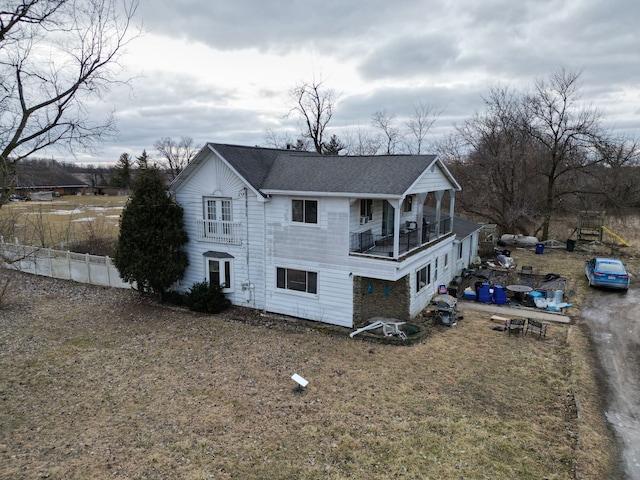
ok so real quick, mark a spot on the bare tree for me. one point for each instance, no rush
(617, 181)
(385, 122)
(45, 103)
(566, 133)
(177, 154)
(285, 141)
(420, 123)
(315, 104)
(496, 169)
(361, 142)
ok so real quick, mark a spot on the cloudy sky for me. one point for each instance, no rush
(221, 70)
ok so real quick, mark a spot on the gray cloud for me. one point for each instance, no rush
(444, 53)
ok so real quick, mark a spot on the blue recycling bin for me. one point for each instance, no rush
(539, 248)
(499, 295)
(484, 293)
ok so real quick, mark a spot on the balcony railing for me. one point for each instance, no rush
(370, 243)
(229, 233)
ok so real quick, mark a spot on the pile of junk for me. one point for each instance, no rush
(515, 289)
(445, 310)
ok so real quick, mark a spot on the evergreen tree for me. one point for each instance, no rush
(151, 236)
(143, 160)
(123, 172)
(334, 147)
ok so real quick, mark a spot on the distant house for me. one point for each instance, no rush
(334, 239)
(46, 176)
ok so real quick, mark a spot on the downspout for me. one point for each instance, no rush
(246, 214)
(264, 256)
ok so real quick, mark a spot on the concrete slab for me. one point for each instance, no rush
(507, 311)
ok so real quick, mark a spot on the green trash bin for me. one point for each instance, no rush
(571, 244)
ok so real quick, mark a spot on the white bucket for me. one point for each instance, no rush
(557, 296)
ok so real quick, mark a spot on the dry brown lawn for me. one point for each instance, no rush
(65, 220)
(99, 383)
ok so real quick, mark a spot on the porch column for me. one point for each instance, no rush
(452, 202)
(439, 195)
(421, 197)
(396, 227)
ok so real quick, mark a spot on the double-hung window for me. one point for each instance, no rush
(366, 209)
(407, 205)
(304, 211)
(219, 272)
(298, 280)
(423, 277)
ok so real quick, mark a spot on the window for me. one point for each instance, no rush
(219, 272)
(460, 250)
(217, 211)
(423, 277)
(366, 208)
(435, 272)
(304, 211)
(446, 261)
(298, 280)
(407, 205)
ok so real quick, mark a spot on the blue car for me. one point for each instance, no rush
(606, 272)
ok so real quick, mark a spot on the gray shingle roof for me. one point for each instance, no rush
(287, 170)
(463, 227)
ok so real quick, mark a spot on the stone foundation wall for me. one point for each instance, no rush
(380, 298)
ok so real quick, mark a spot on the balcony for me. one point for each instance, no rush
(377, 245)
(228, 233)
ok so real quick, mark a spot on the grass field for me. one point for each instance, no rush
(99, 383)
(64, 221)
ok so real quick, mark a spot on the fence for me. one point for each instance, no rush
(79, 267)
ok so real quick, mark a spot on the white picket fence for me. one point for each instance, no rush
(79, 267)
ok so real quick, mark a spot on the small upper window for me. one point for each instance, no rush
(304, 211)
(366, 208)
(407, 205)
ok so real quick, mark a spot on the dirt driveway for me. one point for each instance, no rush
(614, 321)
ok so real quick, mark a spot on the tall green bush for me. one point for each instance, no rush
(149, 251)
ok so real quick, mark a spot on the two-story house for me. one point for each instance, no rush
(336, 239)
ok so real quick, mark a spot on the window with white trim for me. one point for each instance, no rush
(304, 211)
(366, 208)
(298, 280)
(423, 277)
(219, 272)
(435, 271)
(217, 212)
(407, 205)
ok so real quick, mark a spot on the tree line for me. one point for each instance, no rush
(529, 156)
